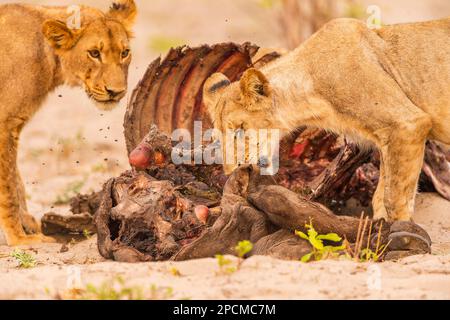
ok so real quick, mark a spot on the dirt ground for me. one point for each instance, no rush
(71, 147)
(418, 277)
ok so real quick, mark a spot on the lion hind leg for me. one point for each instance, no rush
(379, 210)
(403, 157)
(399, 129)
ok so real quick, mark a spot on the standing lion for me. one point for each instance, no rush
(42, 52)
(388, 88)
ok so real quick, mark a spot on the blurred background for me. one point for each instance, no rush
(71, 147)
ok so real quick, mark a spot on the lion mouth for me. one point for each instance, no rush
(103, 97)
(103, 103)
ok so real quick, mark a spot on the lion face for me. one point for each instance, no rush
(235, 109)
(98, 55)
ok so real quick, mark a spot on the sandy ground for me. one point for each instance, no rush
(418, 277)
(70, 146)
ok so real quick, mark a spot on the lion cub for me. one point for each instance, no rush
(389, 87)
(42, 54)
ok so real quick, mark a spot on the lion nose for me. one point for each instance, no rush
(114, 92)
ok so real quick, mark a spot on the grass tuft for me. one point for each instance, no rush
(24, 260)
(117, 289)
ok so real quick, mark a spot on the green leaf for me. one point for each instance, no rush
(222, 261)
(318, 244)
(306, 258)
(335, 249)
(231, 270)
(301, 235)
(312, 233)
(330, 237)
(243, 248)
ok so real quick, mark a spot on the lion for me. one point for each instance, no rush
(41, 53)
(386, 88)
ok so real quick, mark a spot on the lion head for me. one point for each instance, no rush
(235, 108)
(97, 55)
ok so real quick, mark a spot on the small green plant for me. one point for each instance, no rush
(112, 291)
(243, 248)
(225, 264)
(69, 192)
(175, 272)
(161, 293)
(366, 254)
(320, 251)
(87, 234)
(118, 290)
(360, 252)
(24, 260)
(369, 255)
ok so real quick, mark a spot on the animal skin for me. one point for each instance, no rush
(387, 88)
(44, 53)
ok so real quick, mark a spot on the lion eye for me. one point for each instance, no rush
(95, 54)
(125, 53)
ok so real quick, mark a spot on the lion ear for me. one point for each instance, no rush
(254, 87)
(212, 90)
(124, 11)
(59, 35)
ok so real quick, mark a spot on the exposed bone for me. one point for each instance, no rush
(170, 93)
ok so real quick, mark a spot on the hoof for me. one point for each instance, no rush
(407, 239)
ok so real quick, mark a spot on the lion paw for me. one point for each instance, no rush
(30, 224)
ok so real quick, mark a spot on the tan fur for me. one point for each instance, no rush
(388, 88)
(42, 53)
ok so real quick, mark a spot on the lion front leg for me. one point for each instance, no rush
(11, 196)
(29, 223)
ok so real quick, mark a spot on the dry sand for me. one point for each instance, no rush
(70, 146)
(418, 277)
